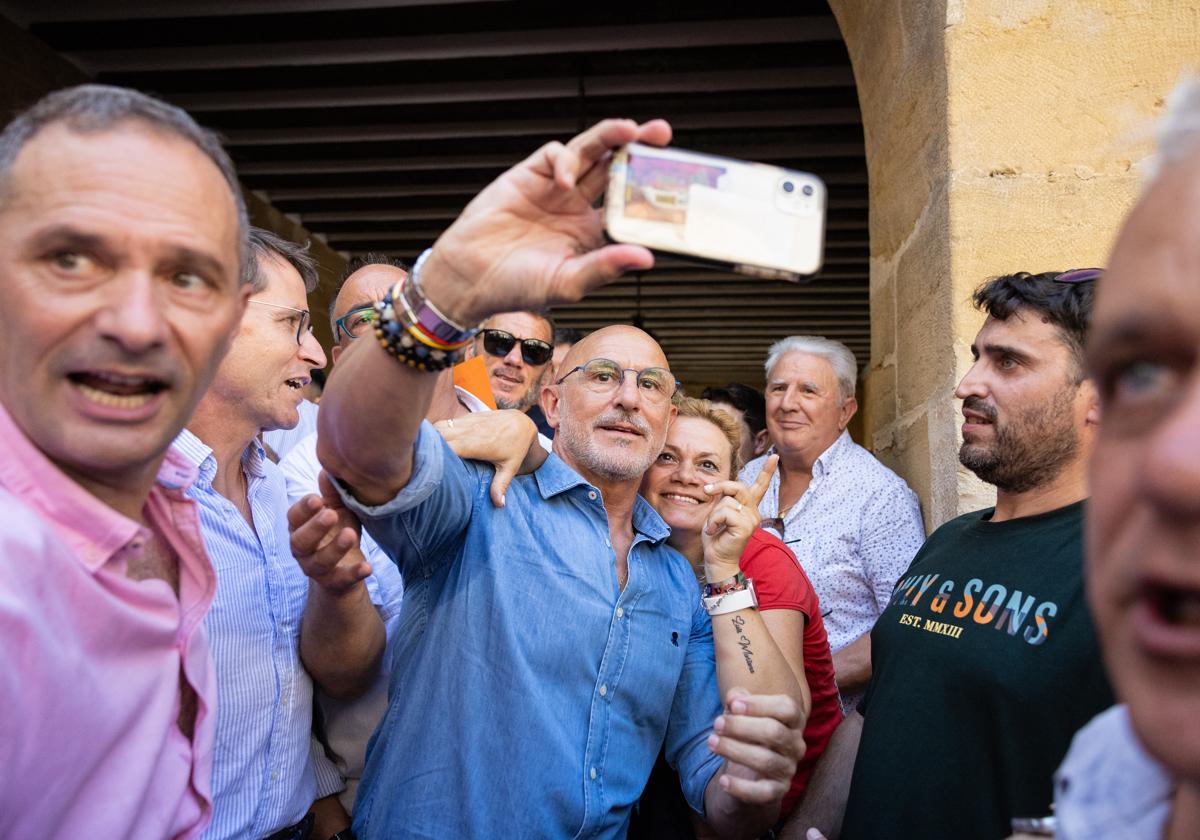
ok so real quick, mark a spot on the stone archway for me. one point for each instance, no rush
(1000, 136)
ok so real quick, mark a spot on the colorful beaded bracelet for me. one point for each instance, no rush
(402, 338)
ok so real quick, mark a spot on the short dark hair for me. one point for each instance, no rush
(568, 335)
(265, 245)
(1067, 306)
(90, 108)
(356, 263)
(745, 399)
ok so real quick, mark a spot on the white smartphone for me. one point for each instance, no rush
(753, 218)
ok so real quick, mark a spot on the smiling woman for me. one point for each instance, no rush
(782, 640)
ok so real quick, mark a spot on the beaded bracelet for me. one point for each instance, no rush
(402, 336)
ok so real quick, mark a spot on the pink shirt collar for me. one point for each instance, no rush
(93, 530)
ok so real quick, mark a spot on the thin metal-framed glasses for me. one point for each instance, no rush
(604, 376)
(305, 325)
(355, 322)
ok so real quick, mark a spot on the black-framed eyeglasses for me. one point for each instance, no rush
(1079, 275)
(355, 322)
(604, 376)
(500, 343)
(302, 327)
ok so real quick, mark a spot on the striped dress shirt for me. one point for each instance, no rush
(267, 770)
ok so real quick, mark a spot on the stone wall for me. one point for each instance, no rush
(1001, 136)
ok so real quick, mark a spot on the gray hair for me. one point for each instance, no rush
(265, 245)
(86, 109)
(840, 358)
(1179, 133)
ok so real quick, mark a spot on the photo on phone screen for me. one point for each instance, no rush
(751, 217)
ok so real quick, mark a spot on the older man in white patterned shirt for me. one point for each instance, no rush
(853, 524)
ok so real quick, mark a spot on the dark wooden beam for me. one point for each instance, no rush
(504, 90)
(439, 47)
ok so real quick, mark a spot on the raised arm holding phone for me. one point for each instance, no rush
(557, 643)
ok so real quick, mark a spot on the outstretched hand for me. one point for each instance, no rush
(325, 540)
(534, 237)
(732, 521)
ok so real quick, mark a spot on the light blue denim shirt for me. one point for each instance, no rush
(529, 695)
(267, 769)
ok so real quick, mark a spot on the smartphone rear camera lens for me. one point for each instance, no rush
(788, 186)
(807, 189)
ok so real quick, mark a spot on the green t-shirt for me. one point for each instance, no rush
(985, 663)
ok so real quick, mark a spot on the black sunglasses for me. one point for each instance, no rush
(500, 343)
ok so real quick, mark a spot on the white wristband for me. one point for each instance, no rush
(739, 599)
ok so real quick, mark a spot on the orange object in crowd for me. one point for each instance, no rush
(472, 375)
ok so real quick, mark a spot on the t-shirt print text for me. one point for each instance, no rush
(949, 610)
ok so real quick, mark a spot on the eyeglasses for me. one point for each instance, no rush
(500, 343)
(355, 322)
(604, 376)
(1079, 275)
(302, 327)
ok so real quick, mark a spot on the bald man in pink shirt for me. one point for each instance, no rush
(122, 240)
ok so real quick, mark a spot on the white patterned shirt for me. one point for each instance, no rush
(855, 531)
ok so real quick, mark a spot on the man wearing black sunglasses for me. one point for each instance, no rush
(517, 347)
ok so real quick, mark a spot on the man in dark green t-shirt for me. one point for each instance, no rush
(986, 661)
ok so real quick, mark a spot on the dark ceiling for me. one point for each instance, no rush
(373, 123)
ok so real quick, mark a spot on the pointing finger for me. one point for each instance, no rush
(759, 488)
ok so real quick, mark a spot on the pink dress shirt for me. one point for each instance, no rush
(92, 661)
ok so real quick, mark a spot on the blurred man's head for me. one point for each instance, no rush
(611, 404)
(748, 408)
(1143, 522)
(122, 249)
(810, 396)
(517, 347)
(352, 310)
(1029, 410)
(261, 380)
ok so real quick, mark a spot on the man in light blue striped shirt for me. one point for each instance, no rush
(268, 771)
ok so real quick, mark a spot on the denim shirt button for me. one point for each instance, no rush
(592, 495)
(620, 612)
(592, 773)
(603, 690)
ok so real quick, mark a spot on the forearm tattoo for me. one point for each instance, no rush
(744, 643)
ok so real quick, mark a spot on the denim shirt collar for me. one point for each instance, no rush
(555, 477)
